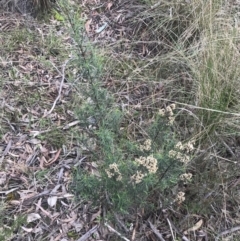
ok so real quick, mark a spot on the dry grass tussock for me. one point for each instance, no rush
(29, 7)
(186, 53)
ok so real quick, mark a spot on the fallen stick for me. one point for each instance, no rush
(88, 234)
(156, 231)
(116, 232)
(60, 89)
(231, 230)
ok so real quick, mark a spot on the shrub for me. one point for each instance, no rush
(126, 164)
(123, 172)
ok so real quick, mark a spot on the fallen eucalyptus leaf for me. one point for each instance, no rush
(33, 217)
(195, 227)
(52, 201)
(99, 30)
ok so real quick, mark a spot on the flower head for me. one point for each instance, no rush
(186, 177)
(180, 197)
(146, 146)
(137, 178)
(162, 112)
(149, 162)
(113, 170)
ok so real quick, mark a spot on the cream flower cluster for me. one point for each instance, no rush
(182, 157)
(168, 112)
(150, 163)
(188, 147)
(146, 145)
(186, 177)
(137, 178)
(114, 171)
(179, 156)
(180, 197)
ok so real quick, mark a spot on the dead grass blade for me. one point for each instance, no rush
(229, 231)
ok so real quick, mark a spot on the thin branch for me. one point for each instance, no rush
(225, 159)
(134, 230)
(170, 226)
(116, 232)
(121, 223)
(225, 144)
(201, 108)
(88, 234)
(6, 151)
(231, 230)
(156, 231)
(60, 88)
(156, 5)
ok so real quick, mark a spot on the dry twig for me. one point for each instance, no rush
(156, 231)
(231, 230)
(170, 226)
(116, 232)
(134, 230)
(121, 223)
(60, 88)
(88, 234)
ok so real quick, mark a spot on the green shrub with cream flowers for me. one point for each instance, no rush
(121, 172)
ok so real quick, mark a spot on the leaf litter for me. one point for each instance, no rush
(35, 172)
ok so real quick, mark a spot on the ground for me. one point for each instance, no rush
(41, 132)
